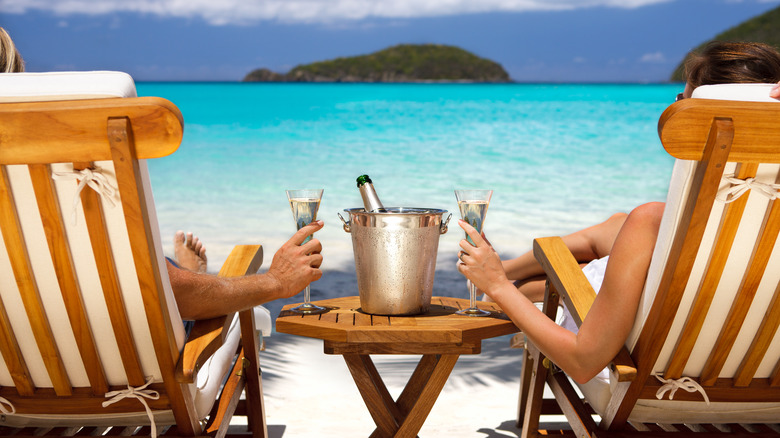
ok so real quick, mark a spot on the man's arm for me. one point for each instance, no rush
(201, 296)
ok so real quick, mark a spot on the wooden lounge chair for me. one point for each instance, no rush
(91, 340)
(708, 318)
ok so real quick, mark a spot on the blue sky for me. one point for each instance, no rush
(222, 40)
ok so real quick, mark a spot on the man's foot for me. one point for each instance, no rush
(190, 252)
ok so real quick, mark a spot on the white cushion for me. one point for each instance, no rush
(263, 321)
(743, 92)
(28, 87)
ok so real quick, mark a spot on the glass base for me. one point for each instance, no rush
(473, 311)
(309, 309)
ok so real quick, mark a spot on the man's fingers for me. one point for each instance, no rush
(306, 231)
(313, 246)
(315, 260)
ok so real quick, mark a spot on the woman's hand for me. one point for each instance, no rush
(775, 92)
(480, 264)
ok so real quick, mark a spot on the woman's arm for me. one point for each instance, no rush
(611, 317)
(587, 244)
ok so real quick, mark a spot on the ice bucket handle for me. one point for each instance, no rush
(443, 228)
(347, 228)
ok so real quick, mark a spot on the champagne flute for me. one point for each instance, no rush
(473, 205)
(304, 205)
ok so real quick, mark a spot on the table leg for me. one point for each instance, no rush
(423, 389)
(405, 417)
(378, 400)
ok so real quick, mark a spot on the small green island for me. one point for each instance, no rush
(401, 63)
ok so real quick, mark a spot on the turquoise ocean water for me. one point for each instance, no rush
(558, 157)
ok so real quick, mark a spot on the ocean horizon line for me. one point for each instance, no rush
(433, 82)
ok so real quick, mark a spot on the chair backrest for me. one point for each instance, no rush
(85, 302)
(711, 305)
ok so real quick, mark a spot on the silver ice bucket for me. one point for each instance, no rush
(395, 257)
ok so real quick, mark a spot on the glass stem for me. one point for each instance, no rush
(472, 296)
(306, 295)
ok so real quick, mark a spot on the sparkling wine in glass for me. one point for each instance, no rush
(473, 206)
(304, 205)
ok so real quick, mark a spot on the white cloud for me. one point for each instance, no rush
(653, 58)
(222, 12)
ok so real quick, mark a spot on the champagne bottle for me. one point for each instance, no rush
(370, 199)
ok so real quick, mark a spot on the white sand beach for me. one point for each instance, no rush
(311, 394)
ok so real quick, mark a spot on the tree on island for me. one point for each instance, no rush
(401, 63)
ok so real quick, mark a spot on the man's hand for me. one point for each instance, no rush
(296, 264)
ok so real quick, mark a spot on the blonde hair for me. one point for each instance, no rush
(10, 59)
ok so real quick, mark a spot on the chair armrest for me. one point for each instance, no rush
(208, 335)
(566, 277)
(623, 366)
(243, 260)
(204, 339)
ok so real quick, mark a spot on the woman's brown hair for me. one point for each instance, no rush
(723, 62)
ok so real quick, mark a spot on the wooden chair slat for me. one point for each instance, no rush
(106, 267)
(28, 289)
(220, 415)
(579, 418)
(775, 379)
(747, 291)
(87, 431)
(9, 347)
(727, 231)
(121, 141)
(250, 352)
(762, 428)
(51, 217)
(117, 431)
(12, 356)
(766, 331)
(535, 373)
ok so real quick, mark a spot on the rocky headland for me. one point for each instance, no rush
(402, 63)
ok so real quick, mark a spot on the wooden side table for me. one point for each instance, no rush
(439, 335)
